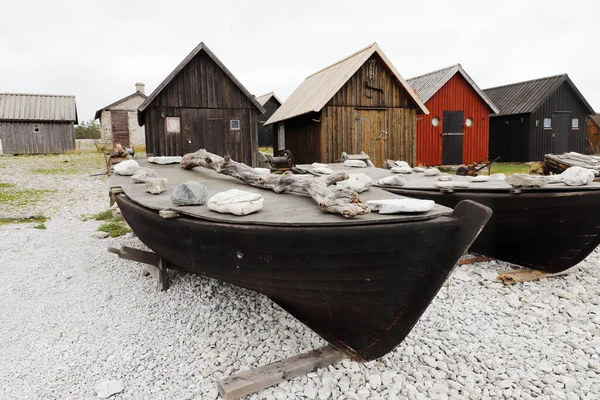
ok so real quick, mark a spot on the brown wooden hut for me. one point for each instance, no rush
(360, 103)
(201, 105)
(37, 123)
(593, 133)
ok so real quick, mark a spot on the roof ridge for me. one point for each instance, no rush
(529, 80)
(343, 59)
(38, 94)
(435, 72)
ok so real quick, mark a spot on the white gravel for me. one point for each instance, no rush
(73, 316)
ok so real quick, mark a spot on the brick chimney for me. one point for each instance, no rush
(140, 87)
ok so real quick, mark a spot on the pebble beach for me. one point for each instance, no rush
(73, 316)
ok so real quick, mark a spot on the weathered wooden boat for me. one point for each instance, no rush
(551, 228)
(558, 163)
(361, 283)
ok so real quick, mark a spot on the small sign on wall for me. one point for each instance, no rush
(281, 136)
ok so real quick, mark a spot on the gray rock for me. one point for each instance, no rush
(323, 170)
(126, 168)
(355, 164)
(524, 180)
(395, 206)
(577, 176)
(432, 172)
(100, 235)
(105, 389)
(445, 178)
(156, 185)
(395, 180)
(189, 194)
(142, 175)
(418, 169)
(237, 202)
(357, 182)
(452, 184)
(165, 160)
(319, 165)
(374, 380)
(402, 164)
(402, 170)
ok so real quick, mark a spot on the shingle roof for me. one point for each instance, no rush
(99, 112)
(428, 84)
(596, 119)
(37, 107)
(190, 57)
(318, 88)
(265, 97)
(526, 97)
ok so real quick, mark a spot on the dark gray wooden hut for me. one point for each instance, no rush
(201, 104)
(271, 103)
(37, 123)
(546, 115)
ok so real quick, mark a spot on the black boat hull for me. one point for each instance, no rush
(361, 288)
(547, 230)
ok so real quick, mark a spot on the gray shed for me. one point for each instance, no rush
(37, 123)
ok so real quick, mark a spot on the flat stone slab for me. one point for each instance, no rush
(394, 206)
(164, 160)
(237, 202)
(355, 164)
(357, 182)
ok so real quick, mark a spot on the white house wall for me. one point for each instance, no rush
(137, 136)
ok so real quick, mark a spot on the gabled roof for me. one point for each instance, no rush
(428, 84)
(265, 97)
(318, 88)
(137, 93)
(526, 97)
(37, 107)
(190, 57)
(595, 118)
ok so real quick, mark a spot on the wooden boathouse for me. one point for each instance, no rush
(37, 123)
(456, 130)
(360, 103)
(271, 103)
(201, 104)
(593, 133)
(546, 115)
(118, 121)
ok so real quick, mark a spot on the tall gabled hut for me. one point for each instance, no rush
(537, 117)
(37, 123)
(201, 104)
(360, 103)
(456, 131)
(271, 103)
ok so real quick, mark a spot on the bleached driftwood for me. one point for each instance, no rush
(343, 201)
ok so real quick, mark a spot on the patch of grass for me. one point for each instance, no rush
(6, 185)
(509, 168)
(40, 226)
(16, 197)
(48, 171)
(114, 228)
(103, 216)
(18, 220)
(268, 150)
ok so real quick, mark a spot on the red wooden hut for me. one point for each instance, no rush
(456, 130)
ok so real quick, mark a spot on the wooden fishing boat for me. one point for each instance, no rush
(359, 283)
(558, 163)
(551, 228)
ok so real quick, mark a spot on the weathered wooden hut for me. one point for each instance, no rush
(201, 105)
(456, 130)
(118, 121)
(360, 103)
(593, 133)
(271, 103)
(537, 117)
(37, 123)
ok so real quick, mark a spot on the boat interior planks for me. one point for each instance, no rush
(558, 163)
(360, 283)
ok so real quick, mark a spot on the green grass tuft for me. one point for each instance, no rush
(40, 226)
(103, 216)
(40, 219)
(114, 228)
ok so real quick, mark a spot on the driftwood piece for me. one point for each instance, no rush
(474, 260)
(526, 275)
(247, 382)
(343, 201)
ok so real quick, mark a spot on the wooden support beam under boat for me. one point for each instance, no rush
(526, 275)
(155, 265)
(247, 382)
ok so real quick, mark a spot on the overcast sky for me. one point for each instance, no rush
(98, 50)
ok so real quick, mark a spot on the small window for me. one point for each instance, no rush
(36, 128)
(173, 125)
(469, 122)
(547, 123)
(435, 121)
(575, 123)
(234, 124)
(281, 137)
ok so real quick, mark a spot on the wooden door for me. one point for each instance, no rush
(120, 128)
(372, 135)
(452, 137)
(561, 125)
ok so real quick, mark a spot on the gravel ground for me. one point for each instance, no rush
(72, 315)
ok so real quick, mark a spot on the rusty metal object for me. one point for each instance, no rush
(473, 169)
(474, 260)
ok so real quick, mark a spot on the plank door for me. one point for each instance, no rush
(561, 125)
(372, 135)
(120, 128)
(452, 137)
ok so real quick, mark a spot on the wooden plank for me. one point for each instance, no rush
(247, 382)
